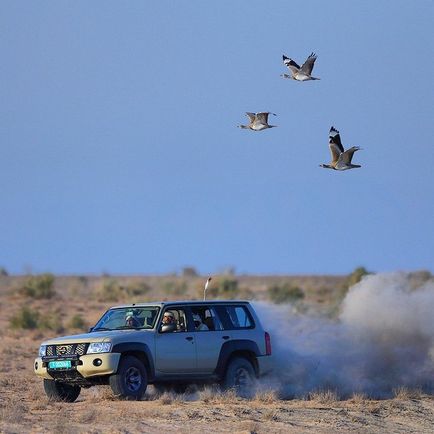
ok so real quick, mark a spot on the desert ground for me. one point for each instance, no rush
(77, 302)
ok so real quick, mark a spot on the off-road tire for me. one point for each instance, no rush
(239, 376)
(57, 391)
(131, 380)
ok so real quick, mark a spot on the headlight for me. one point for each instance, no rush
(99, 347)
(42, 351)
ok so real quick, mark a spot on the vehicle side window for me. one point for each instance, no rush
(175, 317)
(235, 317)
(205, 319)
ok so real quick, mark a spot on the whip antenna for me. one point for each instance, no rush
(206, 287)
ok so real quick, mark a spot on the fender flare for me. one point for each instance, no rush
(232, 347)
(134, 347)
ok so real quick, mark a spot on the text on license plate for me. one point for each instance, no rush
(59, 364)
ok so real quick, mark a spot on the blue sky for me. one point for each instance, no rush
(120, 152)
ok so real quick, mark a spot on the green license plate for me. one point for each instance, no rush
(60, 364)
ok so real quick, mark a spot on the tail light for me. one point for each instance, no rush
(267, 344)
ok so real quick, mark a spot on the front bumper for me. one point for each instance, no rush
(84, 365)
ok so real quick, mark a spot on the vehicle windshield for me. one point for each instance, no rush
(128, 318)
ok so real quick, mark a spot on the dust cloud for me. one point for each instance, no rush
(382, 340)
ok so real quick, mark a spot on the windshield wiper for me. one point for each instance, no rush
(100, 328)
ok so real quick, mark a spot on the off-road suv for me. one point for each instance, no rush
(167, 344)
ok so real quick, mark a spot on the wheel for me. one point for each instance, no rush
(239, 376)
(131, 380)
(57, 391)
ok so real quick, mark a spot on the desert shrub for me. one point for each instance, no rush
(3, 271)
(39, 287)
(51, 321)
(189, 272)
(221, 288)
(135, 289)
(246, 293)
(83, 280)
(175, 288)
(419, 278)
(285, 293)
(77, 322)
(25, 318)
(228, 288)
(356, 276)
(110, 290)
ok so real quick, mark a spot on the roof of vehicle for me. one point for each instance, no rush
(183, 302)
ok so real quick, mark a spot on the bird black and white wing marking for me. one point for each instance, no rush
(335, 139)
(262, 117)
(290, 64)
(308, 64)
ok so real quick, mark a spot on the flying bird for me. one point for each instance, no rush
(341, 159)
(303, 73)
(258, 121)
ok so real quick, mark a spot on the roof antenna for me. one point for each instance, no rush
(206, 287)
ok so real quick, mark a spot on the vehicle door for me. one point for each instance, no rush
(209, 338)
(175, 350)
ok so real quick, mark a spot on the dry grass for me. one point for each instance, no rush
(358, 398)
(13, 411)
(328, 397)
(404, 393)
(266, 396)
(169, 398)
(214, 395)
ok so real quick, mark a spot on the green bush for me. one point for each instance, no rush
(356, 276)
(39, 286)
(285, 293)
(83, 280)
(175, 288)
(110, 290)
(77, 322)
(189, 272)
(221, 288)
(51, 321)
(25, 318)
(135, 289)
(228, 288)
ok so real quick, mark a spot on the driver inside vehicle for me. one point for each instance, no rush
(131, 320)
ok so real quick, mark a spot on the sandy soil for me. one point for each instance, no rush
(24, 407)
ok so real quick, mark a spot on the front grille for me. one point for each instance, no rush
(66, 350)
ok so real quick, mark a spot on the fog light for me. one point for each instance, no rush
(97, 362)
(36, 366)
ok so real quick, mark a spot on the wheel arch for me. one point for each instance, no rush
(237, 348)
(140, 351)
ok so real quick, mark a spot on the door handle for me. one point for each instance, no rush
(189, 338)
(225, 337)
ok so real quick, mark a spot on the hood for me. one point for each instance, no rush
(114, 336)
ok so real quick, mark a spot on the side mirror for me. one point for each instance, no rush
(167, 328)
(90, 330)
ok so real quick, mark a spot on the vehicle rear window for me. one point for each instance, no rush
(235, 317)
